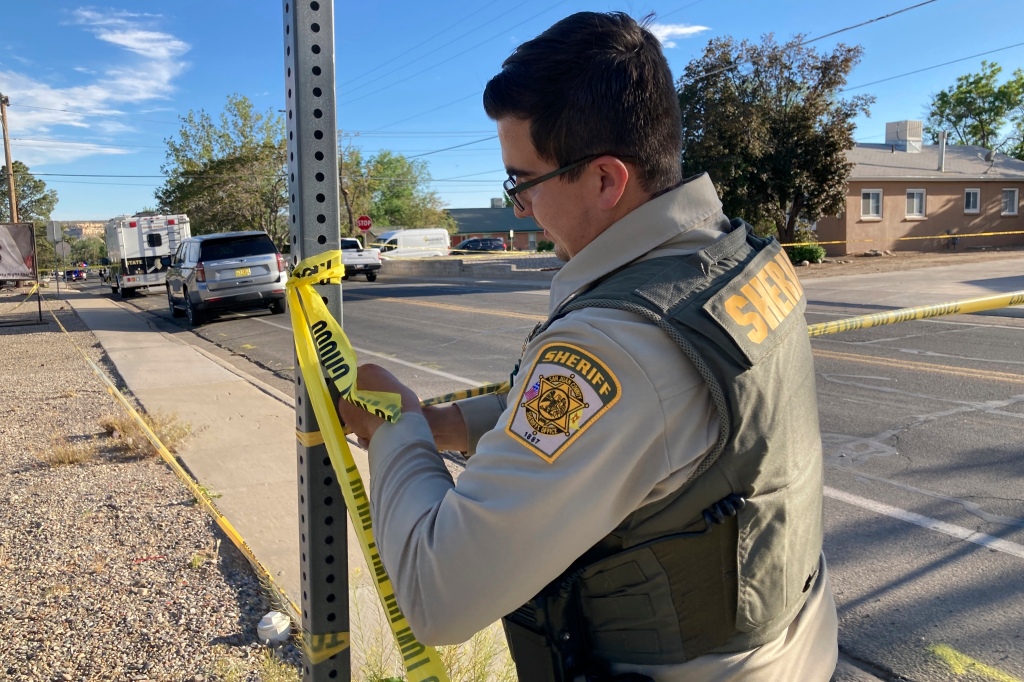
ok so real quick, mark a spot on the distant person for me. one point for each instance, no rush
(646, 503)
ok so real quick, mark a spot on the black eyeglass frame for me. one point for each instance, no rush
(512, 188)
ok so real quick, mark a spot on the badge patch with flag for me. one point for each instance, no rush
(566, 391)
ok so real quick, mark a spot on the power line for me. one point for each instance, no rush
(821, 37)
(452, 42)
(465, 144)
(869, 21)
(929, 68)
(72, 142)
(93, 113)
(430, 111)
(445, 61)
(697, 2)
(367, 73)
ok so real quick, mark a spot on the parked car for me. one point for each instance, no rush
(76, 275)
(226, 271)
(478, 244)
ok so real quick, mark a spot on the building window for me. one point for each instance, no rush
(871, 203)
(972, 200)
(915, 203)
(1010, 201)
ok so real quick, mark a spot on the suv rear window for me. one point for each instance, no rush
(236, 247)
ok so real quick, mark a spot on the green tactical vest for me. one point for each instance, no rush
(736, 309)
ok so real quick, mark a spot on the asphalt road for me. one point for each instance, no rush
(922, 424)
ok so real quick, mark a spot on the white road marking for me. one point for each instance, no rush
(363, 351)
(959, 532)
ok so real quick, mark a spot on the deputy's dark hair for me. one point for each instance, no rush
(595, 83)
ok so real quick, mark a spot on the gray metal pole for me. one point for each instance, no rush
(313, 214)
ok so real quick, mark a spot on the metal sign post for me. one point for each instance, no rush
(61, 250)
(313, 213)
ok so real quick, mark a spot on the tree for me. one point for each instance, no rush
(976, 110)
(389, 188)
(88, 250)
(35, 203)
(229, 175)
(768, 125)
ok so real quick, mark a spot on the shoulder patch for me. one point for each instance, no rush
(565, 392)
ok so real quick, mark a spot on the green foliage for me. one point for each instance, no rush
(230, 174)
(807, 248)
(35, 203)
(768, 124)
(89, 250)
(391, 189)
(812, 253)
(544, 245)
(975, 110)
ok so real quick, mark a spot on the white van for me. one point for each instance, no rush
(420, 243)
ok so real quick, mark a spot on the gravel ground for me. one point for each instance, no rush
(110, 570)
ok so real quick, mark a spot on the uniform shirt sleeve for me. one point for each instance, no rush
(462, 556)
(480, 414)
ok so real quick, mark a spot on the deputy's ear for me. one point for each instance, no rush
(613, 176)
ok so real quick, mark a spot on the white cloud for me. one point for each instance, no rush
(40, 152)
(146, 73)
(665, 31)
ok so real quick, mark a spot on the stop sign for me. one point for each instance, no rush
(364, 223)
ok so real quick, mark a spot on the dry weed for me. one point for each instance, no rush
(270, 669)
(376, 658)
(62, 452)
(132, 437)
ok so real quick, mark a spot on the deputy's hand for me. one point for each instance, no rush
(374, 378)
(448, 427)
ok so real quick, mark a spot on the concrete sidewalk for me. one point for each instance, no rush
(243, 447)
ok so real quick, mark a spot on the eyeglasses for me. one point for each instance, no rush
(512, 189)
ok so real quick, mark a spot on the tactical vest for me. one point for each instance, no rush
(725, 563)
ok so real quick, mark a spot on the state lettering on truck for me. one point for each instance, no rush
(136, 245)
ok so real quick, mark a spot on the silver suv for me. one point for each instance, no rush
(224, 271)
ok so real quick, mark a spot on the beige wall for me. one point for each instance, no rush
(944, 216)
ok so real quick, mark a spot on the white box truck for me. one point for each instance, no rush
(421, 243)
(135, 245)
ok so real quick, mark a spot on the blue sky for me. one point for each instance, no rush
(96, 89)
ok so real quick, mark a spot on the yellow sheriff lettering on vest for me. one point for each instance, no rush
(766, 299)
(566, 391)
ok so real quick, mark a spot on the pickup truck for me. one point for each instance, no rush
(359, 261)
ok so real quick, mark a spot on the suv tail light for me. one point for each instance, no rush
(200, 273)
(280, 263)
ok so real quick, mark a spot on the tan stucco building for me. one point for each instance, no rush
(913, 197)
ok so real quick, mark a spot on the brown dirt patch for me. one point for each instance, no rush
(903, 260)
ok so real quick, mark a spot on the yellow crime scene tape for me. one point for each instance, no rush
(278, 595)
(35, 287)
(327, 361)
(973, 305)
(907, 239)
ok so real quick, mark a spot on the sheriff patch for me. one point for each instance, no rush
(566, 391)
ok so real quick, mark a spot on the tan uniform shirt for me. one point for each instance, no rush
(606, 415)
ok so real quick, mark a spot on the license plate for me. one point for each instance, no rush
(243, 272)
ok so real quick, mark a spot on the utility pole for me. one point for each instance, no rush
(7, 155)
